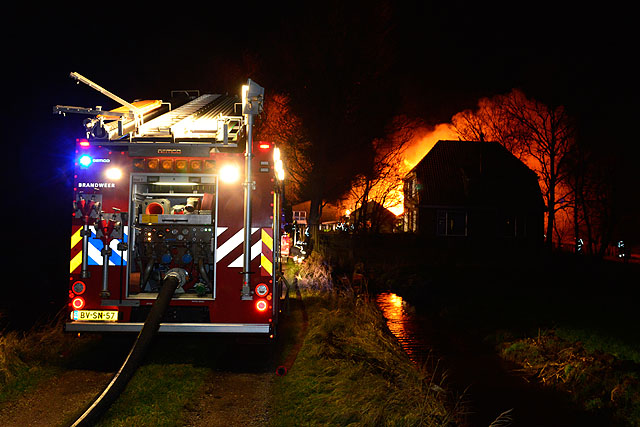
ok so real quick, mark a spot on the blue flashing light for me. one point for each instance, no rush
(85, 160)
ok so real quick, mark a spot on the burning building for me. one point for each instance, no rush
(467, 193)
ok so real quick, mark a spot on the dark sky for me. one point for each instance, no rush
(445, 56)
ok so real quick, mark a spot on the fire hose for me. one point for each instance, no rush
(173, 279)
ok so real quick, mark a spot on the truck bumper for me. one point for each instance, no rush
(223, 328)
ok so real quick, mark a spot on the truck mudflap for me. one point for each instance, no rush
(230, 328)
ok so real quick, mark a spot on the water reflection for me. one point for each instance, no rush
(403, 323)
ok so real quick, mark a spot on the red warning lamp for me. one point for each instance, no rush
(78, 303)
(83, 143)
(264, 145)
(262, 289)
(79, 287)
(261, 305)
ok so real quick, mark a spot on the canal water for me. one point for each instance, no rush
(486, 384)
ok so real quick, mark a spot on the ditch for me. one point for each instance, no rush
(487, 385)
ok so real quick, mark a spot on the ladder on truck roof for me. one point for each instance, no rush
(208, 119)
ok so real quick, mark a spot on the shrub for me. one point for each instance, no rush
(315, 274)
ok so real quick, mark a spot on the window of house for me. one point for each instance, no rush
(451, 223)
(410, 221)
(300, 216)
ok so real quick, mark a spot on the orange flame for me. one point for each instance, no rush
(416, 149)
(424, 142)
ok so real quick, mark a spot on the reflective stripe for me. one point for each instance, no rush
(267, 265)
(95, 248)
(263, 247)
(76, 238)
(266, 260)
(255, 251)
(75, 262)
(267, 239)
(96, 245)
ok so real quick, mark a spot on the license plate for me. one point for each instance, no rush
(96, 315)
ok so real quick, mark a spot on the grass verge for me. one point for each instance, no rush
(350, 369)
(28, 358)
(569, 323)
(593, 378)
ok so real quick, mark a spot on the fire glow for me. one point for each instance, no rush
(415, 151)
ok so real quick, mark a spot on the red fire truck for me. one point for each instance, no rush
(160, 189)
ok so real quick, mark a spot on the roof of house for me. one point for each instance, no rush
(475, 173)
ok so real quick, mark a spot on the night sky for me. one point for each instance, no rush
(445, 56)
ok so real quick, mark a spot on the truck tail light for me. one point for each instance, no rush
(78, 287)
(261, 305)
(78, 303)
(262, 289)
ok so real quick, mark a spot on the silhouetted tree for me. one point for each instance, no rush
(339, 91)
(541, 136)
(381, 183)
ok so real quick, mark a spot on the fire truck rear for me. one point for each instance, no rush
(185, 192)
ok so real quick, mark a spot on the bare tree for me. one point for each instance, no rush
(282, 127)
(540, 135)
(381, 185)
(491, 122)
(340, 90)
(550, 137)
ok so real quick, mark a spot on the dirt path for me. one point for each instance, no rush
(228, 399)
(233, 399)
(55, 400)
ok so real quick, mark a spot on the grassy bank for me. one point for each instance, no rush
(570, 323)
(595, 379)
(350, 370)
(28, 358)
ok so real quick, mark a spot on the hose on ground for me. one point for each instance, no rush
(172, 280)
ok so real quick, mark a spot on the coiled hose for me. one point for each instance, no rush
(172, 280)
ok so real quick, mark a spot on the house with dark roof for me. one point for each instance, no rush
(469, 194)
